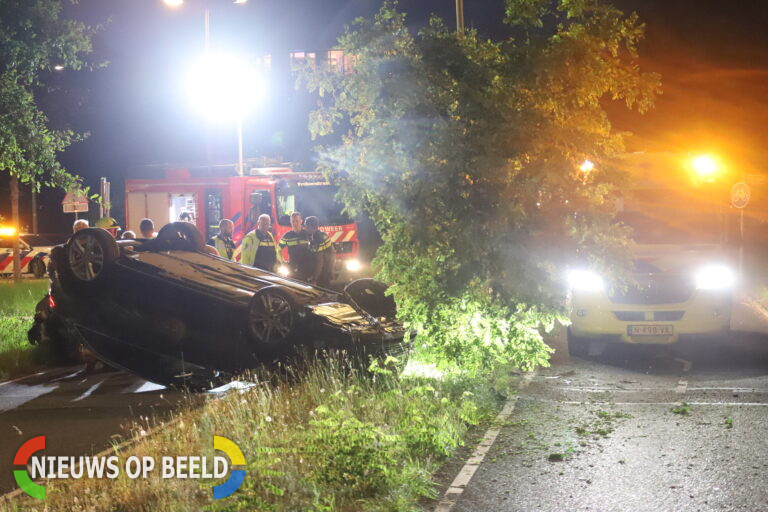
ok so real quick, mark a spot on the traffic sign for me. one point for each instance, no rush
(74, 201)
(740, 195)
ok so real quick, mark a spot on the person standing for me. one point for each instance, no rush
(147, 228)
(222, 241)
(79, 224)
(258, 247)
(324, 254)
(110, 224)
(300, 256)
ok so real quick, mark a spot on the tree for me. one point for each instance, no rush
(466, 154)
(33, 39)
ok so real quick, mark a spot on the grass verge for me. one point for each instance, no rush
(17, 309)
(326, 440)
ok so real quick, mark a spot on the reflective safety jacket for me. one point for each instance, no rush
(259, 250)
(325, 258)
(300, 256)
(224, 245)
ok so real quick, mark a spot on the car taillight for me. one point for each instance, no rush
(51, 302)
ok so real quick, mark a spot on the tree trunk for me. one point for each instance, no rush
(16, 221)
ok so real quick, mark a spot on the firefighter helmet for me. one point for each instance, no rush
(107, 223)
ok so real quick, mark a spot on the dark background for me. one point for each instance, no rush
(711, 54)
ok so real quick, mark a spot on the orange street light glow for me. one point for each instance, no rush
(587, 166)
(7, 231)
(705, 167)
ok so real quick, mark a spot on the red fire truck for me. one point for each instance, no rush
(208, 196)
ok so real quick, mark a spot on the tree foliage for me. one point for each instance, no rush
(34, 38)
(466, 154)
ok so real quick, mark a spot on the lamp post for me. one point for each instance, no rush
(225, 88)
(204, 96)
(460, 17)
(207, 17)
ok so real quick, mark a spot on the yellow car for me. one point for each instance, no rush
(676, 290)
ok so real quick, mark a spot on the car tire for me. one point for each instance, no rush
(37, 268)
(577, 346)
(272, 317)
(180, 236)
(88, 256)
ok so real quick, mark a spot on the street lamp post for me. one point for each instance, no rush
(460, 17)
(225, 88)
(207, 32)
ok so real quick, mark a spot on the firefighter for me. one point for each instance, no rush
(325, 255)
(109, 224)
(300, 256)
(258, 247)
(222, 241)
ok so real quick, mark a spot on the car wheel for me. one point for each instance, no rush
(180, 236)
(577, 346)
(37, 267)
(271, 316)
(89, 252)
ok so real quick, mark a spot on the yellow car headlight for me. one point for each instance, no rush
(585, 280)
(715, 277)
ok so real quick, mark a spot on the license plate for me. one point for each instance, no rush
(650, 330)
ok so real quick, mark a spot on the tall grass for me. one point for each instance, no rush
(327, 439)
(17, 309)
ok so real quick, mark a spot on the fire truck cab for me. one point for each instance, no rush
(207, 196)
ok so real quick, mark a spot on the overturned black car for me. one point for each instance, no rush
(171, 313)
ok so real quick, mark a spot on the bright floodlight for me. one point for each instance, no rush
(705, 167)
(173, 3)
(224, 87)
(587, 166)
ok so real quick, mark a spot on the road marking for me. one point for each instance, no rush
(456, 489)
(22, 378)
(591, 402)
(682, 384)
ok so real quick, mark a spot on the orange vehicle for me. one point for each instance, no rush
(207, 196)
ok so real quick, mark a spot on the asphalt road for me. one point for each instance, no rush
(78, 413)
(682, 428)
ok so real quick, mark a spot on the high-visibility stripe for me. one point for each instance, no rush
(335, 235)
(26, 257)
(291, 243)
(349, 236)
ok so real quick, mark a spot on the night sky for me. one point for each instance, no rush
(711, 54)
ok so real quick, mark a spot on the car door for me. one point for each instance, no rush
(6, 255)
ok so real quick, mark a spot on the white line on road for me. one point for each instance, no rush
(21, 378)
(719, 404)
(682, 384)
(467, 472)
